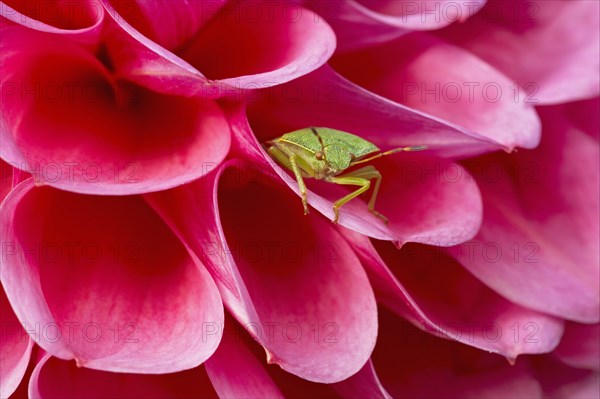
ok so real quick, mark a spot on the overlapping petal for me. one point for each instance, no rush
(429, 288)
(427, 74)
(81, 21)
(324, 98)
(293, 282)
(170, 24)
(15, 348)
(551, 49)
(56, 378)
(237, 351)
(70, 122)
(580, 346)
(408, 361)
(560, 381)
(6, 179)
(103, 281)
(364, 384)
(218, 377)
(241, 45)
(362, 23)
(541, 209)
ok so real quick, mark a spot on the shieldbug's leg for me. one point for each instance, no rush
(290, 163)
(364, 174)
(350, 180)
(369, 172)
(300, 180)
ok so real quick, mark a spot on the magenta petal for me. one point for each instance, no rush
(429, 14)
(430, 289)
(233, 49)
(56, 378)
(324, 98)
(78, 20)
(538, 245)
(280, 273)
(408, 361)
(138, 59)
(580, 346)
(443, 80)
(237, 46)
(168, 23)
(362, 23)
(239, 351)
(124, 296)
(71, 124)
(6, 179)
(15, 348)
(560, 381)
(585, 115)
(310, 260)
(364, 384)
(537, 44)
(428, 200)
(232, 356)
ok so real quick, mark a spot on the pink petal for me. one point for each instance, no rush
(560, 381)
(6, 179)
(15, 347)
(443, 80)
(234, 49)
(248, 57)
(411, 363)
(408, 360)
(233, 355)
(74, 126)
(580, 347)
(538, 229)
(294, 387)
(550, 48)
(137, 59)
(122, 296)
(362, 23)
(364, 384)
(227, 377)
(428, 200)
(80, 21)
(436, 294)
(585, 115)
(429, 14)
(55, 378)
(168, 23)
(281, 274)
(324, 98)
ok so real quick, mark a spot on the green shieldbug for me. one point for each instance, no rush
(323, 153)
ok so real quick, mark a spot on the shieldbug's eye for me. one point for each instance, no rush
(319, 155)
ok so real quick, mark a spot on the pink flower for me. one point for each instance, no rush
(152, 248)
